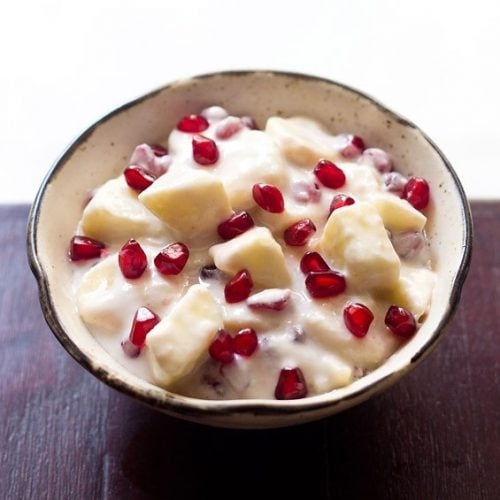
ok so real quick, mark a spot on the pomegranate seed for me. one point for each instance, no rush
(300, 233)
(193, 124)
(416, 192)
(268, 197)
(138, 178)
(312, 262)
(221, 349)
(379, 159)
(325, 284)
(131, 350)
(409, 244)
(172, 259)
(214, 113)
(249, 122)
(144, 156)
(291, 384)
(237, 224)
(205, 151)
(159, 150)
(144, 321)
(239, 287)
(272, 299)
(245, 342)
(354, 147)
(132, 260)
(357, 319)
(395, 183)
(329, 174)
(401, 322)
(341, 200)
(305, 192)
(228, 127)
(84, 248)
(210, 272)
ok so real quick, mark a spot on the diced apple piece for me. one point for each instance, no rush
(239, 170)
(191, 202)
(355, 238)
(330, 331)
(179, 343)
(115, 213)
(361, 180)
(302, 140)
(257, 251)
(413, 291)
(397, 214)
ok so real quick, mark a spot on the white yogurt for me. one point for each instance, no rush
(309, 333)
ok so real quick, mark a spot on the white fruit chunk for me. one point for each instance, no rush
(330, 331)
(355, 238)
(361, 180)
(302, 140)
(239, 170)
(104, 294)
(191, 202)
(413, 291)
(257, 251)
(398, 215)
(115, 213)
(180, 341)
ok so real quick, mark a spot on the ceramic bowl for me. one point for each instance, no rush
(101, 153)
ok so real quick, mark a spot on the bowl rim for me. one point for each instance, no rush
(187, 407)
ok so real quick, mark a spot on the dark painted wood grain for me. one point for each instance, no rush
(435, 435)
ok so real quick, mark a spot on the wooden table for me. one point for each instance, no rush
(65, 435)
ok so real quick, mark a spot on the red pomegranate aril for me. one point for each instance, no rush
(84, 248)
(193, 124)
(325, 284)
(300, 233)
(306, 191)
(138, 178)
(132, 260)
(341, 200)
(357, 319)
(401, 322)
(237, 224)
(268, 197)
(394, 182)
(144, 321)
(272, 299)
(312, 262)
(291, 384)
(416, 192)
(205, 151)
(239, 287)
(245, 342)
(221, 349)
(172, 259)
(329, 174)
(228, 127)
(159, 150)
(249, 122)
(355, 146)
(131, 350)
(379, 159)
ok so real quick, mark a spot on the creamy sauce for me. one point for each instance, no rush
(309, 333)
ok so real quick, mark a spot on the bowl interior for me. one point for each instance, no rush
(102, 152)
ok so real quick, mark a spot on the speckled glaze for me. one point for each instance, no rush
(102, 151)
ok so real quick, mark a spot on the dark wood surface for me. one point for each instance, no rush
(65, 435)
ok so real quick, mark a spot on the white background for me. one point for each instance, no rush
(64, 64)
